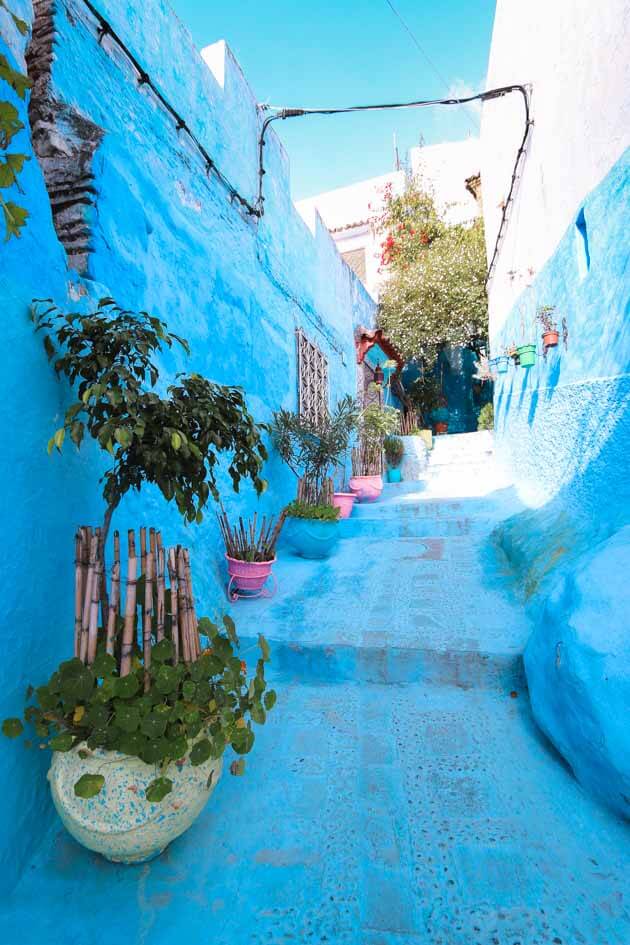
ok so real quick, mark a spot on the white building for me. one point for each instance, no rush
(450, 171)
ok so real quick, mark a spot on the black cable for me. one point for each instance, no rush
(258, 210)
(105, 29)
(486, 96)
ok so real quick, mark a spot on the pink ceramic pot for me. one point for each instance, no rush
(248, 575)
(366, 488)
(344, 502)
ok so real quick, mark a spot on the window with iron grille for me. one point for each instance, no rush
(312, 379)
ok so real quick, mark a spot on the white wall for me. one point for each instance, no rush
(350, 213)
(575, 54)
(444, 168)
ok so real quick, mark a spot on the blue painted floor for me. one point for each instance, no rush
(399, 794)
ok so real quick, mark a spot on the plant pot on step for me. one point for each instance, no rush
(119, 823)
(550, 338)
(441, 428)
(366, 488)
(344, 501)
(311, 538)
(248, 578)
(394, 475)
(527, 355)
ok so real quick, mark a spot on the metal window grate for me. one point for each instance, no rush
(312, 379)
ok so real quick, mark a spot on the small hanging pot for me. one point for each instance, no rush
(527, 355)
(502, 364)
(550, 338)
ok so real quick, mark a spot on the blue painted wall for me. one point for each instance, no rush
(167, 239)
(564, 428)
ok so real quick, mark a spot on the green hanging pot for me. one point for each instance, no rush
(527, 355)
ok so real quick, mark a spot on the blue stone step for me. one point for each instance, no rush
(392, 665)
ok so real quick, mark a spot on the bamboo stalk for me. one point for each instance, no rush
(183, 605)
(172, 574)
(160, 592)
(193, 622)
(143, 549)
(114, 602)
(96, 600)
(87, 599)
(147, 615)
(126, 649)
(78, 589)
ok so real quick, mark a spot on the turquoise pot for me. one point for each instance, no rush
(394, 475)
(309, 538)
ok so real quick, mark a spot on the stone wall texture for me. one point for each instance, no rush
(145, 223)
(563, 426)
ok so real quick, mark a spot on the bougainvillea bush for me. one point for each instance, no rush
(435, 292)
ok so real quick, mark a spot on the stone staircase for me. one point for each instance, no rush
(400, 793)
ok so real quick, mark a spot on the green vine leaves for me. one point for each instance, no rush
(190, 711)
(11, 163)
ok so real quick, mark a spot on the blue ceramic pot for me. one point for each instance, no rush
(503, 364)
(310, 538)
(394, 475)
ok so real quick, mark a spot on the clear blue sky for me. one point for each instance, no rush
(331, 52)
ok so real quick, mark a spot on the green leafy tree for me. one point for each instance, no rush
(435, 294)
(11, 162)
(174, 440)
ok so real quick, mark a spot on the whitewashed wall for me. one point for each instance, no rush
(575, 54)
(444, 168)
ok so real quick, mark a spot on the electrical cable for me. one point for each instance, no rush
(488, 95)
(425, 56)
(257, 209)
(106, 29)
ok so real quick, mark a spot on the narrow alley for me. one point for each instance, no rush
(403, 794)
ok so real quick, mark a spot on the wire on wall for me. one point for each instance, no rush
(284, 113)
(106, 29)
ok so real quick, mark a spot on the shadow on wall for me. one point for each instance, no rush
(572, 559)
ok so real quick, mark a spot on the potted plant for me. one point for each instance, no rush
(250, 554)
(485, 420)
(502, 362)
(375, 423)
(126, 701)
(512, 352)
(440, 417)
(312, 449)
(527, 355)
(312, 531)
(138, 736)
(550, 334)
(394, 452)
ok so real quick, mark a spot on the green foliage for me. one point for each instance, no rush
(394, 450)
(173, 441)
(425, 395)
(485, 421)
(378, 421)
(89, 785)
(12, 728)
(312, 449)
(435, 294)
(193, 710)
(322, 513)
(11, 163)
